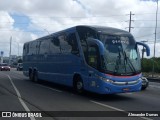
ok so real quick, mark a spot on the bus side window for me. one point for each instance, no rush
(32, 48)
(54, 45)
(64, 45)
(93, 56)
(72, 41)
(44, 47)
(25, 49)
(56, 41)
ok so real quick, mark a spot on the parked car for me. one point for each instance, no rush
(145, 83)
(4, 66)
(20, 66)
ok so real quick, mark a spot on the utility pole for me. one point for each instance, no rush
(153, 67)
(10, 50)
(130, 20)
(1, 57)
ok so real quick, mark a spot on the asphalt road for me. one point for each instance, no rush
(52, 101)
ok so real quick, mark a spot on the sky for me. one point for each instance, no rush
(26, 20)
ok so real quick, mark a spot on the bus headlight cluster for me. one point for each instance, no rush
(108, 80)
(104, 79)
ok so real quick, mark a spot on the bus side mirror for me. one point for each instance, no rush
(146, 47)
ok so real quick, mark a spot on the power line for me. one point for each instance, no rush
(146, 13)
(38, 16)
(146, 27)
(146, 35)
(55, 23)
(146, 20)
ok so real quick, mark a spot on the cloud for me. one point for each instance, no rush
(54, 15)
(6, 21)
(7, 31)
(84, 6)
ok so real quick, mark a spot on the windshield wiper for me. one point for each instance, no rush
(118, 61)
(130, 63)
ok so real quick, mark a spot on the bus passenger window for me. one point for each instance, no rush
(72, 41)
(64, 46)
(32, 49)
(25, 49)
(56, 41)
(54, 45)
(44, 47)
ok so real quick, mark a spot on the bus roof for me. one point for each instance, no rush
(100, 29)
(108, 30)
(103, 29)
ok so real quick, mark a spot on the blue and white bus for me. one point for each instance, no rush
(103, 60)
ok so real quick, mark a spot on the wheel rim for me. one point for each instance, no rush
(79, 85)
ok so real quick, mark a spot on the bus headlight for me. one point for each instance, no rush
(104, 79)
(108, 80)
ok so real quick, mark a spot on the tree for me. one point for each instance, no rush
(20, 60)
(148, 64)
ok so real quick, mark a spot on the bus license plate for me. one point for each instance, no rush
(125, 89)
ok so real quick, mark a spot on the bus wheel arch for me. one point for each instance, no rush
(78, 83)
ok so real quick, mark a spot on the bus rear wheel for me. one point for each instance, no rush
(31, 76)
(35, 77)
(78, 85)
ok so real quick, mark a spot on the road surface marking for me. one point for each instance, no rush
(128, 93)
(117, 109)
(104, 105)
(41, 85)
(20, 98)
(154, 86)
(17, 78)
(49, 88)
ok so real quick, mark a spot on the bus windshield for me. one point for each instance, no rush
(121, 56)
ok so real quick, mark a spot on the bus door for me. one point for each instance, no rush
(93, 60)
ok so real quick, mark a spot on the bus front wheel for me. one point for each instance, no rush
(78, 85)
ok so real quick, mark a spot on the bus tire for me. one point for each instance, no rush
(35, 77)
(78, 85)
(31, 76)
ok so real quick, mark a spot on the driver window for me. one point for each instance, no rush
(93, 56)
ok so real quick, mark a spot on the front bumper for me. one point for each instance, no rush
(102, 87)
(111, 88)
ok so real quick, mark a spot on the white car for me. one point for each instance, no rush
(145, 83)
(20, 66)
